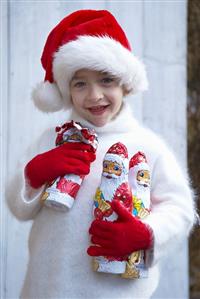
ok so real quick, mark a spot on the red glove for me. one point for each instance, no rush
(121, 237)
(69, 158)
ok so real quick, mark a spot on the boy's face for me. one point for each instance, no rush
(96, 96)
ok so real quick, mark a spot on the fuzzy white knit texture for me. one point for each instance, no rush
(59, 266)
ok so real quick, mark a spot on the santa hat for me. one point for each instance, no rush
(90, 39)
(118, 153)
(138, 162)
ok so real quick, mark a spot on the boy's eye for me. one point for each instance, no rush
(116, 167)
(107, 80)
(79, 84)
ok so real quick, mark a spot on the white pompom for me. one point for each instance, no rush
(47, 97)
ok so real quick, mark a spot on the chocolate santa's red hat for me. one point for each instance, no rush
(90, 39)
(118, 152)
(139, 160)
(118, 149)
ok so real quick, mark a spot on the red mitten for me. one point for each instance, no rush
(69, 158)
(121, 237)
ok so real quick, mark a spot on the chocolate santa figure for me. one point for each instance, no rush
(61, 193)
(114, 186)
(139, 180)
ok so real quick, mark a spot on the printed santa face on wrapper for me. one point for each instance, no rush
(61, 193)
(114, 186)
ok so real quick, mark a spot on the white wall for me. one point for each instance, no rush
(157, 31)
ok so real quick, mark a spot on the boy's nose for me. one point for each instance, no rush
(94, 93)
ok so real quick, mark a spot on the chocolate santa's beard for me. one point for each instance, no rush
(109, 186)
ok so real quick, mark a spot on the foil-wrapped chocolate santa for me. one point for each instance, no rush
(61, 193)
(139, 180)
(114, 186)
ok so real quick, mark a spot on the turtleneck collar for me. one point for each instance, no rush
(123, 123)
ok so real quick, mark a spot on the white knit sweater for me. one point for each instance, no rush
(59, 266)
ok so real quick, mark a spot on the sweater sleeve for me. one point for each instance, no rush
(23, 200)
(172, 206)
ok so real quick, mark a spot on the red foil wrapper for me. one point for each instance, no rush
(61, 193)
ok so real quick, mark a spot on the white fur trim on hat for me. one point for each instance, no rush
(141, 166)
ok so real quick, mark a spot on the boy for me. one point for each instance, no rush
(90, 68)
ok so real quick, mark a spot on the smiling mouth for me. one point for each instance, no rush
(98, 110)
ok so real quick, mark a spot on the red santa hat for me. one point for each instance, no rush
(118, 149)
(90, 39)
(139, 162)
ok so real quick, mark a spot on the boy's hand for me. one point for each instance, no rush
(69, 158)
(121, 237)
